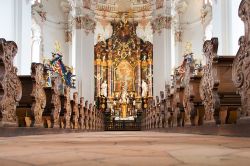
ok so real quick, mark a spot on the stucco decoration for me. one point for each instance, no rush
(161, 22)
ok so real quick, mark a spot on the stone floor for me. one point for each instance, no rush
(124, 149)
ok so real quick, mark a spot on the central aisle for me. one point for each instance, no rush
(124, 149)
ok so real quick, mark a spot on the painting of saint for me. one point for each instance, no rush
(124, 73)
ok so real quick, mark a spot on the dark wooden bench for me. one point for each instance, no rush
(33, 100)
(53, 105)
(75, 112)
(65, 114)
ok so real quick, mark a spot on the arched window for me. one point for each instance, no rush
(36, 40)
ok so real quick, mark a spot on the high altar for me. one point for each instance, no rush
(123, 70)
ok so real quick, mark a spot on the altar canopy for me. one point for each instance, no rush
(123, 62)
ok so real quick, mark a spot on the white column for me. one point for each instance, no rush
(17, 27)
(162, 39)
(162, 60)
(83, 51)
(221, 25)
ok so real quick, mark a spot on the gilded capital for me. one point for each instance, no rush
(150, 61)
(98, 61)
(109, 62)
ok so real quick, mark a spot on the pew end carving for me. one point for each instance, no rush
(241, 64)
(10, 85)
(192, 102)
(217, 90)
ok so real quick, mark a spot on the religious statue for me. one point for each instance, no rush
(104, 89)
(124, 93)
(144, 88)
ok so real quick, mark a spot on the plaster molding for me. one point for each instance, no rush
(161, 22)
(85, 22)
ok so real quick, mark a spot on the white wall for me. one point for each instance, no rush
(194, 34)
(227, 25)
(237, 28)
(16, 17)
(53, 29)
(7, 29)
(192, 31)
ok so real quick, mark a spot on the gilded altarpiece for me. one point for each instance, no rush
(123, 63)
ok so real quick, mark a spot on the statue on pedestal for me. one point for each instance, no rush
(144, 89)
(104, 87)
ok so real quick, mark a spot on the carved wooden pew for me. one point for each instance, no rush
(90, 116)
(217, 89)
(86, 115)
(94, 118)
(158, 123)
(81, 113)
(62, 121)
(33, 100)
(23, 111)
(98, 119)
(152, 115)
(143, 120)
(145, 117)
(75, 111)
(177, 105)
(147, 113)
(10, 85)
(149, 119)
(169, 106)
(241, 64)
(163, 110)
(192, 102)
(52, 109)
(65, 113)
